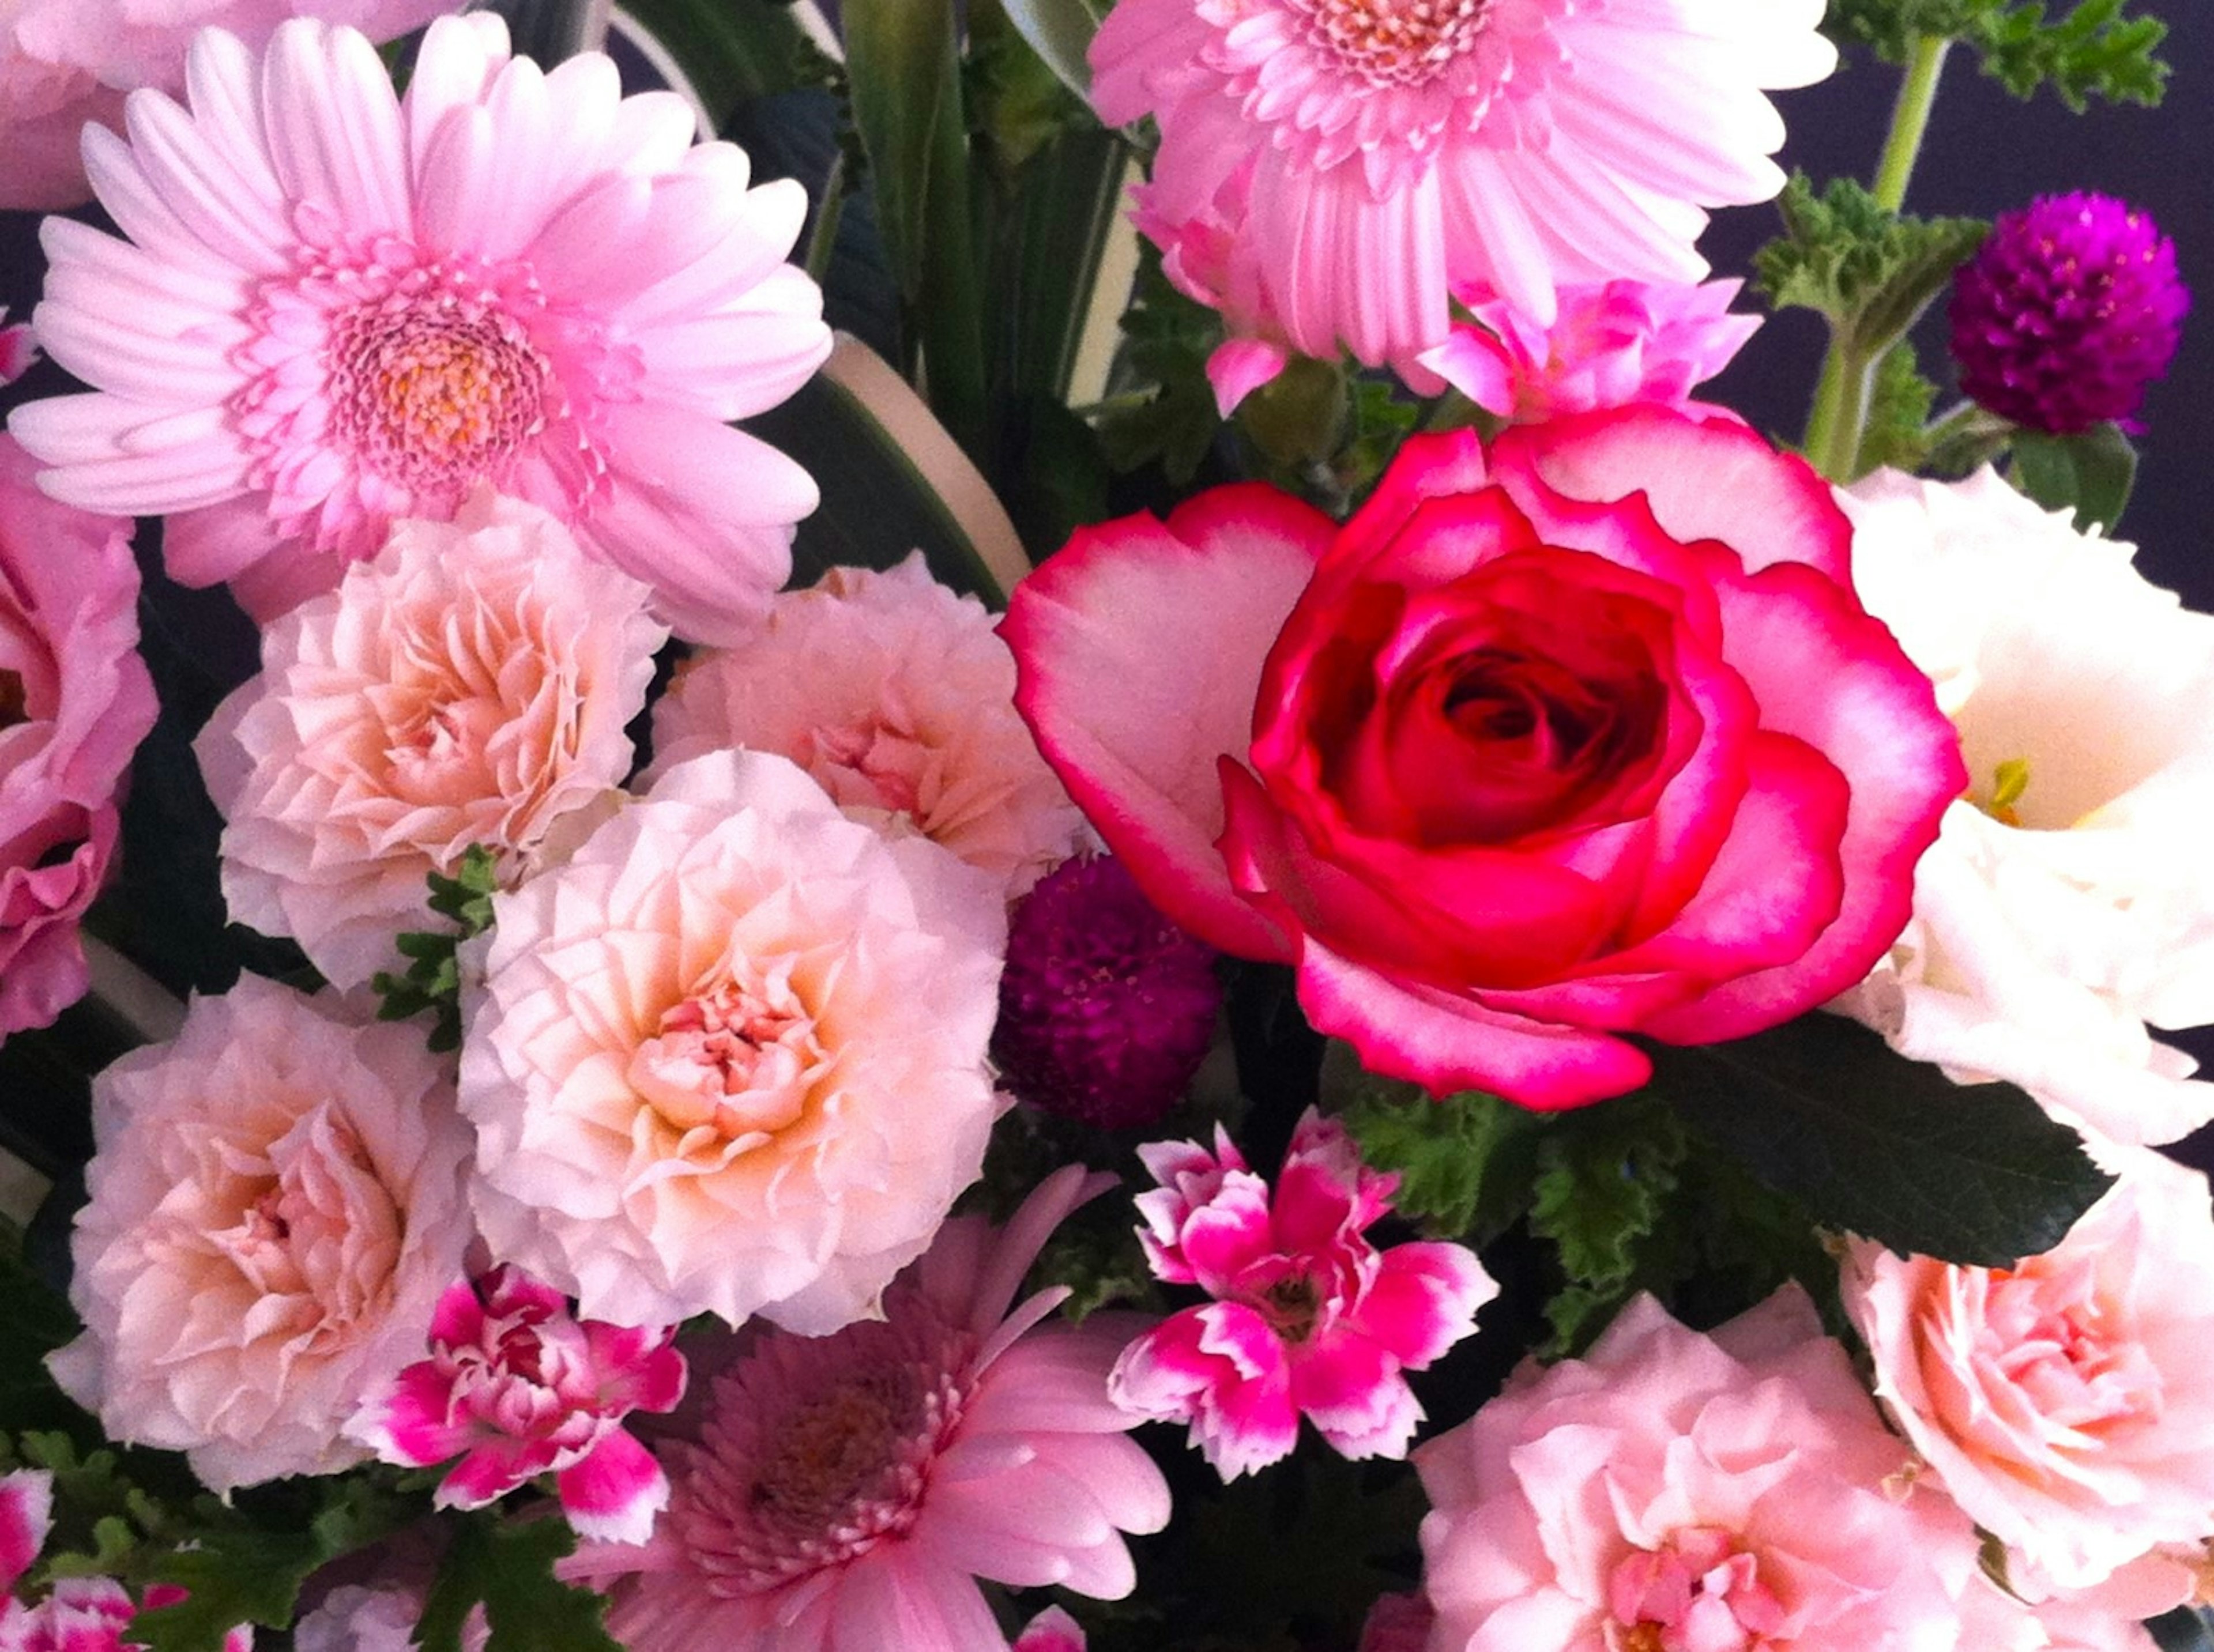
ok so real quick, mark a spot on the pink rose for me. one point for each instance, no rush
(1309, 1318)
(1677, 1492)
(1584, 735)
(276, 1205)
(2067, 1404)
(75, 702)
(472, 684)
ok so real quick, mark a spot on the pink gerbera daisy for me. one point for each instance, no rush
(337, 306)
(1353, 159)
(846, 1491)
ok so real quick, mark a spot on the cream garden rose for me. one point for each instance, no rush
(276, 1205)
(470, 685)
(895, 694)
(2067, 1404)
(729, 1057)
(2050, 927)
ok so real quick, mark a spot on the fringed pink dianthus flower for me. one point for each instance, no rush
(336, 308)
(516, 1386)
(847, 1491)
(1355, 159)
(1610, 344)
(1309, 1318)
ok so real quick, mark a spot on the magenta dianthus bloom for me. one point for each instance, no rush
(516, 1386)
(336, 308)
(2070, 310)
(1309, 1318)
(1106, 1008)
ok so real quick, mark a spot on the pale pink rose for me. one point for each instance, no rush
(895, 694)
(470, 685)
(353, 1618)
(2067, 1404)
(65, 61)
(516, 1388)
(1688, 1493)
(1994, 1620)
(1308, 1317)
(276, 1205)
(1611, 343)
(75, 702)
(730, 1058)
(845, 1493)
(338, 307)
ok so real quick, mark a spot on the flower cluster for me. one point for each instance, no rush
(662, 1111)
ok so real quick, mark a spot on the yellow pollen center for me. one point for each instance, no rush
(1396, 42)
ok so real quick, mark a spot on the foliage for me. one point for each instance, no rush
(1162, 410)
(1465, 1162)
(1899, 401)
(509, 1565)
(1823, 1111)
(433, 977)
(1869, 271)
(2093, 49)
(2091, 473)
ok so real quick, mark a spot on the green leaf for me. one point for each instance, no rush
(2090, 50)
(510, 1567)
(1161, 408)
(1465, 1162)
(2091, 473)
(731, 51)
(1823, 1111)
(1060, 32)
(1603, 1176)
(1898, 412)
(2185, 1628)
(1868, 270)
(902, 61)
(38, 1321)
(432, 980)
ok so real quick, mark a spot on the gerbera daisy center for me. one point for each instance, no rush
(434, 387)
(1395, 42)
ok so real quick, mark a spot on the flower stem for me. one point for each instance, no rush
(1834, 427)
(1910, 120)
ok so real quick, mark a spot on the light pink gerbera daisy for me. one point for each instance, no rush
(846, 1491)
(337, 306)
(1355, 158)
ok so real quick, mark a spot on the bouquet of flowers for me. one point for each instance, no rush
(947, 827)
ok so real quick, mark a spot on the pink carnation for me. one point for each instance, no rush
(1687, 1493)
(276, 1206)
(847, 1491)
(1308, 1318)
(65, 61)
(2067, 1404)
(1610, 344)
(1353, 161)
(337, 308)
(470, 685)
(894, 695)
(515, 1387)
(730, 1058)
(75, 702)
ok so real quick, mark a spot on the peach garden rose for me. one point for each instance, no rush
(729, 1058)
(470, 685)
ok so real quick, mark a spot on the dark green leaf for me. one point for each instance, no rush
(2184, 1629)
(1060, 32)
(548, 31)
(1870, 271)
(510, 1567)
(1822, 1110)
(1604, 1174)
(1464, 1164)
(1898, 408)
(2091, 473)
(1160, 406)
(731, 51)
(2089, 50)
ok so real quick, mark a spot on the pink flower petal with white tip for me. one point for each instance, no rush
(612, 1493)
(26, 1508)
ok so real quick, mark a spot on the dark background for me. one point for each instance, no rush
(1986, 152)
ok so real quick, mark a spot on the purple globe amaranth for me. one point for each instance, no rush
(2072, 308)
(1106, 1008)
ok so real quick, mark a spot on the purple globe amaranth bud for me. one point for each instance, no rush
(1106, 1008)
(2070, 310)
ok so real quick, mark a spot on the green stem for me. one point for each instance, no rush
(823, 242)
(1910, 120)
(1834, 427)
